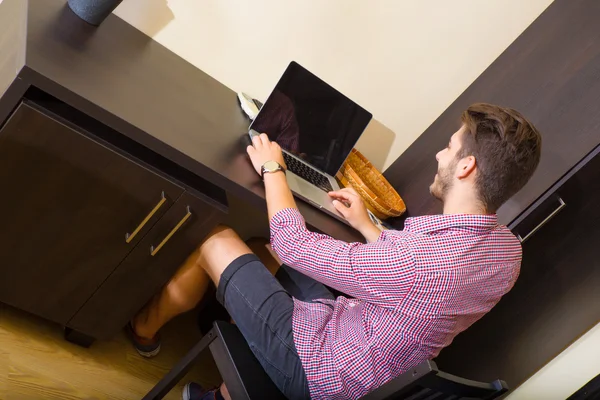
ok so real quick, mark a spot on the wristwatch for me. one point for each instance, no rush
(270, 167)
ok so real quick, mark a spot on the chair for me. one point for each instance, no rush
(246, 379)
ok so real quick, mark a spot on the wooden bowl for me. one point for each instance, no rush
(377, 193)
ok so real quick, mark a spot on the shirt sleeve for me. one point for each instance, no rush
(381, 272)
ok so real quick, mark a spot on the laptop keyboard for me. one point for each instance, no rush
(308, 173)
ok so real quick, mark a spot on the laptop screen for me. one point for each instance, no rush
(311, 120)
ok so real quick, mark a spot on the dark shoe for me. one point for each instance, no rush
(146, 347)
(194, 391)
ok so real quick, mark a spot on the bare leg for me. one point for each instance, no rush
(185, 290)
(224, 391)
(220, 248)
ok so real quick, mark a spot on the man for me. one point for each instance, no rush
(410, 292)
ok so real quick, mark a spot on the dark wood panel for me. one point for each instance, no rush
(66, 204)
(556, 298)
(551, 73)
(132, 84)
(142, 275)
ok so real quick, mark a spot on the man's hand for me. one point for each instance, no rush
(353, 209)
(262, 150)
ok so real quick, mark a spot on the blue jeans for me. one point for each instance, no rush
(261, 306)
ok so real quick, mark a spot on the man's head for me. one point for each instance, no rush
(489, 159)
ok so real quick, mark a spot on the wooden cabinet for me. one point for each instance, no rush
(142, 274)
(66, 204)
(557, 296)
(78, 220)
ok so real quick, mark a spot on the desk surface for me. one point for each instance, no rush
(124, 79)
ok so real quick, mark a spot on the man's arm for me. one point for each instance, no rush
(279, 196)
(381, 272)
(378, 272)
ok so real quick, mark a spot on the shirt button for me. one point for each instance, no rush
(351, 304)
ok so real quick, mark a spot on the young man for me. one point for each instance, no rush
(410, 292)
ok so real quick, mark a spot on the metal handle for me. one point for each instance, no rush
(129, 236)
(155, 250)
(544, 222)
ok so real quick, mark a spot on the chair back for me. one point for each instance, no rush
(427, 382)
(239, 368)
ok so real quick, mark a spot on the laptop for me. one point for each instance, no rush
(317, 127)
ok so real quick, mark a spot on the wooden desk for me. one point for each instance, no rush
(100, 122)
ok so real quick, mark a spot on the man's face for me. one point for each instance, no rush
(447, 163)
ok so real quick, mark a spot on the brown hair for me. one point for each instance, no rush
(506, 147)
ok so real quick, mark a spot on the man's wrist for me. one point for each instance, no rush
(274, 176)
(271, 166)
(370, 231)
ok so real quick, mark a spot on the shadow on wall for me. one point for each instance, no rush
(376, 143)
(149, 16)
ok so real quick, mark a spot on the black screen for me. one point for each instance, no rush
(312, 120)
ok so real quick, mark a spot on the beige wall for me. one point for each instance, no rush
(568, 372)
(404, 60)
(12, 31)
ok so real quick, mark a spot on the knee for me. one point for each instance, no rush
(222, 231)
(219, 237)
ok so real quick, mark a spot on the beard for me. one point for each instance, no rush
(442, 183)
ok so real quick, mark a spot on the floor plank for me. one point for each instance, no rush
(37, 363)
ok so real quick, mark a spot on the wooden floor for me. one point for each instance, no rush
(36, 363)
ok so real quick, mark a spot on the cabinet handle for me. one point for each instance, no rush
(544, 222)
(129, 237)
(155, 250)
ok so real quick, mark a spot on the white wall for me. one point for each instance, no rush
(565, 374)
(403, 60)
(12, 31)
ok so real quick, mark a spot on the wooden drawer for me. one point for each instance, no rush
(66, 205)
(141, 275)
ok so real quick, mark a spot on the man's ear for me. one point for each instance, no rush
(466, 167)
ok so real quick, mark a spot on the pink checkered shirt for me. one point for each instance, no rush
(412, 292)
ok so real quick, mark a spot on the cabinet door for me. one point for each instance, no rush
(147, 268)
(66, 205)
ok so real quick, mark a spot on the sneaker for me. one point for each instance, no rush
(145, 347)
(195, 391)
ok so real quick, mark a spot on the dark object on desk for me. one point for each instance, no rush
(93, 11)
(246, 379)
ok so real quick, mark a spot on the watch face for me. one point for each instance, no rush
(271, 166)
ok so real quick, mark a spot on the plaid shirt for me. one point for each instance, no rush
(412, 292)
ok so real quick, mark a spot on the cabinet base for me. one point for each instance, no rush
(78, 338)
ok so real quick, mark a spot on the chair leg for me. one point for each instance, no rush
(180, 369)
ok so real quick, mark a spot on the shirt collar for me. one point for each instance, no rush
(432, 223)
